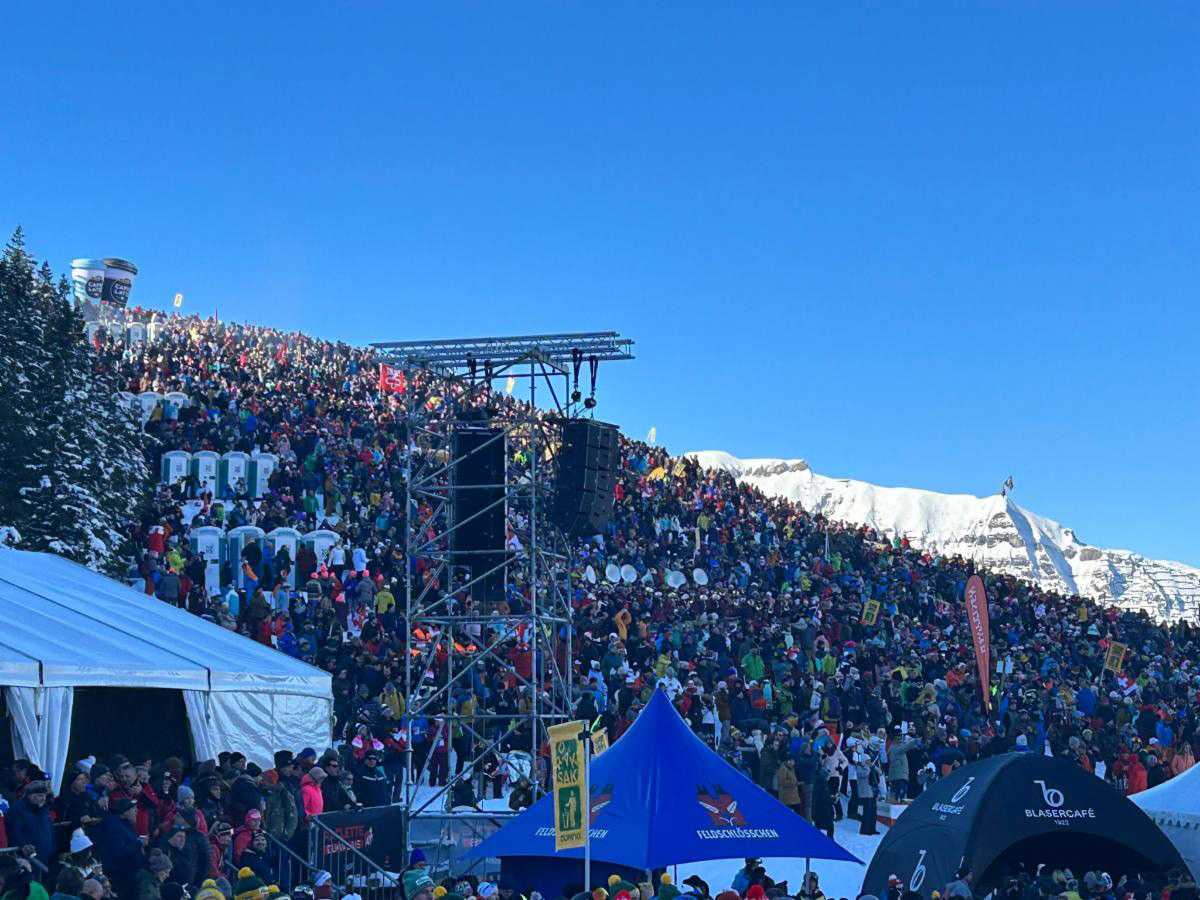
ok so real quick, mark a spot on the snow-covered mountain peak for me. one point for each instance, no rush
(992, 530)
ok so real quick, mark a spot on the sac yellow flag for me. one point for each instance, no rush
(567, 768)
(599, 741)
(1115, 658)
(658, 474)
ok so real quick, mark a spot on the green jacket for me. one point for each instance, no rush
(281, 817)
(753, 667)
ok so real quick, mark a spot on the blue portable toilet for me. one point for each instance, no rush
(236, 540)
(289, 538)
(206, 541)
(173, 403)
(232, 469)
(147, 400)
(204, 468)
(174, 467)
(322, 540)
(261, 467)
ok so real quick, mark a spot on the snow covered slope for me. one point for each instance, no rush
(991, 530)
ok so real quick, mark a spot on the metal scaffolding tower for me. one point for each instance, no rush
(450, 637)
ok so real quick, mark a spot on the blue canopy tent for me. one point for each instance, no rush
(661, 797)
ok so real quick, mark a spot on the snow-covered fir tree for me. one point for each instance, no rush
(71, 461)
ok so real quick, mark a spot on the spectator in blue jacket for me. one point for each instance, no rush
(120, 847)
(29, 823)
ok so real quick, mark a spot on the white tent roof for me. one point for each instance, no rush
(65, 625)
(1178, 797)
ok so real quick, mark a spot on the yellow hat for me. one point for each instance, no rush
(613, 879)
(245, 872)
(665, 879)
(439, 891)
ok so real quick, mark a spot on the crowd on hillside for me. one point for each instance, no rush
(769, 658)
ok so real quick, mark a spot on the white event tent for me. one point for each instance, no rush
(63, 626)
(1175, 808)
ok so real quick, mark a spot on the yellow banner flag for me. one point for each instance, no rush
(658, 474)
(870, 612)
(567, 769)
(599, 741)
(1115, 658)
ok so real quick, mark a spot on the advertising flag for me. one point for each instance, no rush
(1114, 659)
(870, 612)
(567, 768)
(599, 741)
(977, 615)
(391, 380)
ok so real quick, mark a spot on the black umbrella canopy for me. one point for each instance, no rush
(1016, 808)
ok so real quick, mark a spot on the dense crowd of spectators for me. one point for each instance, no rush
(766, 654)
(148, 830)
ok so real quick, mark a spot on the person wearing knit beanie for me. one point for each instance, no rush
(417, 883)
(209, 891)
(249, 886)
(666, 887)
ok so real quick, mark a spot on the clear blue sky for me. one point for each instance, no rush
(915, 243)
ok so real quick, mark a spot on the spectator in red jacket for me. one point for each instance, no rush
(310, 792)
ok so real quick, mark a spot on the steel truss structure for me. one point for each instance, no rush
(449, 638)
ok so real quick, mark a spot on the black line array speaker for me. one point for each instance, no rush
(587, 476)
(477, 476)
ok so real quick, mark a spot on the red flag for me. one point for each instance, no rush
(391, 380)
(977, 616)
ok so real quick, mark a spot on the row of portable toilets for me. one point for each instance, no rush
(218, 474)
(131, 333)
(143, 404)
(218, 546)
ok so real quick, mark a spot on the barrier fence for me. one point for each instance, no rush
(366, 848)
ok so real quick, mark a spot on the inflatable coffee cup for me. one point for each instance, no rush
(87, 280)
(118, 281)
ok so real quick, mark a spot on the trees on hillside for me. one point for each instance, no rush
(72, 466)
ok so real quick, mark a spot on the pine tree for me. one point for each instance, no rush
(80, 468)
(22, 358)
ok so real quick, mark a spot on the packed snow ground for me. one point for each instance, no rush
(993, 531)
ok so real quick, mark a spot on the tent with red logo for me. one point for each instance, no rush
(661, 797)
(1017, 810)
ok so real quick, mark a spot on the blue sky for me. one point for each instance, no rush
(915, 243)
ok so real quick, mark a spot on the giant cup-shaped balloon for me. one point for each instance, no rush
(118, 281)
(87, 280)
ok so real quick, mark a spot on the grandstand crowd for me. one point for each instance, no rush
(769, 660)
